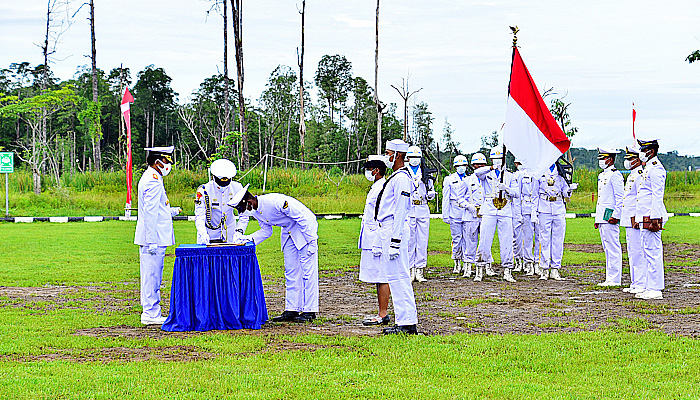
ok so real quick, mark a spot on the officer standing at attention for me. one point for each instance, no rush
(651, 211)
(608, 211)
(213, 217)
(154, 230)
(299, 238)
(523, 228)
(391, 214)
(419, 214)
(472, 217)
(499, 191)
(628, 220)
(454, 203)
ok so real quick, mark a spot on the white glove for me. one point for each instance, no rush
(152, 248)
(394, 248)
(312, 248)
(202, 238)
(573, 186)
(502, 186)
(471, 209)
(431, 194)
(535, 220)
(377, 251)
(175, 211)
(242, 239)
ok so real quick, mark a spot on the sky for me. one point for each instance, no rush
(602, 55)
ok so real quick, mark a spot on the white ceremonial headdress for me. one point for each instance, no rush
(238, 196)
(162, 149)
(223, 168)
(397, 145)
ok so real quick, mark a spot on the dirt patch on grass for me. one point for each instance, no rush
(118, 354)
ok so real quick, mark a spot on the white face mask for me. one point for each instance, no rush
(627, 164)
(643, 157)
(497, 162)
(461, 169)
(369, 175)
(414, 161)
(521, 167)
(165, 168)
(389, 161)
(603, 164)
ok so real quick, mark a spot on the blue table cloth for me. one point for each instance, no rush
(216, 288)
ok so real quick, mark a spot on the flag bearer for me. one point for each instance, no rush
(472, 215)
(454, 203)
(651, 213)
(213, 217)
(628, 220)
(607, 215)
(499, 191)
(299, 239)
(154, 230)
(423, 190)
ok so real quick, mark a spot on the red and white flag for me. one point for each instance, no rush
(126, 111)
(531, 133)
(634, 119)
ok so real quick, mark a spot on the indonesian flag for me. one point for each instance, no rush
(531, 133)
(126, 112)
(634, 119)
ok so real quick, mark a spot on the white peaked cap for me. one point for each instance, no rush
(414, 151)
(497, 152)
(376, 157)
(608, 150)
(238, 196)
(397, 145)
(223, 168)
(459, 160)
(163, 149)
(478, 158)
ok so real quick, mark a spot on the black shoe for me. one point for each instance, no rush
(376, 320)
(286, 316)
(305, 317)
(401, 329)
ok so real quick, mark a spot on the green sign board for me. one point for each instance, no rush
(7, 162)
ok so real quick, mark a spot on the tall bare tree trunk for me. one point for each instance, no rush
(380, 108)
(300, 61)
(237, 11)
(96, 152)
(227, 105)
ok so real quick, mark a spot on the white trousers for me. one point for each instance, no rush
(301, 276)
(489, 223)
(471, 239)
(151, 278)
(610, 237)
(552, 231)
(523, 232)
(398, 275)
(654, 258)
(459, 243)
(635, 254)
(418, 242)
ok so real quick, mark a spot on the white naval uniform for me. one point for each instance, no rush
(299, 239)
(549, 196)
(610, 193)
(454, 190)
(419, 219)
(650, 203)
(392, 217)
(523, 228)
(493, 218)
(635, 253)
(371, 270)
(154, 226)
(472, 222)
(227, 225)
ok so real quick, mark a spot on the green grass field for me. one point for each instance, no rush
(101, 261)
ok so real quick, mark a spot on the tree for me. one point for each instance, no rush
(405, 94)
(237, 11)
(155, 100)
(448, 140)
(380, 107)
(694, 56)
(300, 63)
(279, 105)
(560, 112)
(334, 81)
(422, 125)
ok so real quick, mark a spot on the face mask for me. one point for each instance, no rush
(551, 168)
(497, 162)
(369, 175)
(165, 168)
(389, 161)
(222, 182)
(643, 157)
(461, 169)
(602, 164)
(414, 161)
(627, 164)
(521, 167)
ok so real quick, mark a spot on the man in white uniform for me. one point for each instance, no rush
(472, 216)
(523, 227)
(213, 217)
(499, 191)
(651, 211)
(154, 230)
(635, 254)
(391, 213)
(299, 239)
(454, 203)
(608, 211)
(423, 190)
(549, 196)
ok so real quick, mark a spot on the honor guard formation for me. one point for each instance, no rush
(527, 212)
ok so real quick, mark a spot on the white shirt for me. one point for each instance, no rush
(650, 191)
(155, 216)
(369, 227)
(489, 180)
(216, 198)
(454, 191)
(629, 200)
(394, 203)
(549, 194)
(610, 193)
(420, 195)
(525, 182)
(298, 223)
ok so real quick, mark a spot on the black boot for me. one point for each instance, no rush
(401, 329)
(287, 316)
(305, 317)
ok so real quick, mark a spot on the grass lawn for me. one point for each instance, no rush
(42, 356)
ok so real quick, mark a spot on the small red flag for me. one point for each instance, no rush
(634, 118)
(127, 98)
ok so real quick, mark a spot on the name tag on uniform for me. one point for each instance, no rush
(405, 194)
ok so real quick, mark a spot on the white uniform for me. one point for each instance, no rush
(472, 222)
(610, 194)
(633, 235)
(299, 239)
(391, 217)
(371, 270)
(523, 228)
(154, 227)
(454, 190)
(650, 204)
(213, 217)
(493, 218)
(549, 196)
(419, 219)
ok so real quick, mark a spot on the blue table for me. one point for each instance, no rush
(216, 288)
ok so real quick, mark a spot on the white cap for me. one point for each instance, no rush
(459, 160)
(397, 145)
(478, 158)
(414, 151)
(223, 168)
(164, 149)
(497, 152)
(238, 196)
(607, 152)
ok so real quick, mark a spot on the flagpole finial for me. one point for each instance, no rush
(515, 31)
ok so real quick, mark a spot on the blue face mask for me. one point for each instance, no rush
(551, 168)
